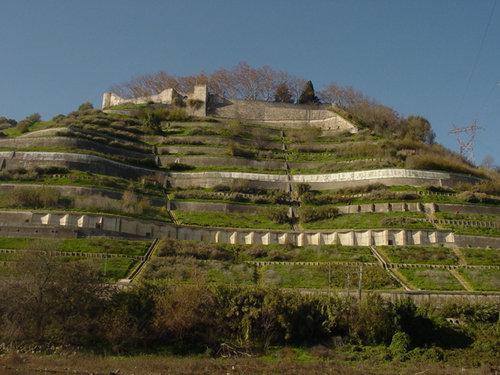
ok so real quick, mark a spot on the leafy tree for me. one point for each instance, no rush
(417, 128)
(307, 96)
(23, 125)
(283, 94)
(85, 106)
(48, 299)
(7, 122)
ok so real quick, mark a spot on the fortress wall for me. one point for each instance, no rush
(71, 143)
(92, 163)
(96, 224)
(279, 114)
(167, 96)
(97, 164)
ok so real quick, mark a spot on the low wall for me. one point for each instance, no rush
(485, 242)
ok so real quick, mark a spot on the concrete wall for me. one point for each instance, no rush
(72, 143)
(152, 229)
(96, 164)
(320, 181)
(278, 114)
(484, 242)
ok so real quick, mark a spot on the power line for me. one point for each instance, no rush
(466, 147)
(476, 61)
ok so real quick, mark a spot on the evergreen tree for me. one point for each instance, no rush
(283, 94)
(307, 95)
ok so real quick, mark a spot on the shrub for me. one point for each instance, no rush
(308, 214)
(303, 188)
(239, 151)
(85, 107)
(179, 167)
(400, 343)
(34, 197)
(278, 215)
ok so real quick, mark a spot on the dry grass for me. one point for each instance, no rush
(287, 361)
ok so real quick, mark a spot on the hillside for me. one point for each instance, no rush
(261, 189)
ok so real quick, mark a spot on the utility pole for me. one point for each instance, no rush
(360, 280)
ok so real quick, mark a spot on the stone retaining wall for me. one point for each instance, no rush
(278, 114)
(153, 229)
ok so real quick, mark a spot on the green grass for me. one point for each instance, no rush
(230, 220)
(226, 273)
(482, 279)
(316, 277)
(83, 245)
(431, 278)
(368, 220)
(323, 253)
(487, 257)
(106, 245)
(420, 255)
(472, 230)
(307, 277)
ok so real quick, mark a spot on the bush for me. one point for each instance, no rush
(303, 188)
(278, 215)
(85, 107)
(179, 167)
(308, 214)
(34, 197)
(400, 343)
(239, 151)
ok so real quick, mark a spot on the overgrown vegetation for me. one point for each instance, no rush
(72, 307)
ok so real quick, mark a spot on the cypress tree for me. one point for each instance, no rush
(307, 95)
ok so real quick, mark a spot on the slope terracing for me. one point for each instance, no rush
(216, 180)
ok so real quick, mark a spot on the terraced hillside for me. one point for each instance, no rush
(261, 203)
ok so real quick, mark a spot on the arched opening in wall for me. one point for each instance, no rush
(391, 242)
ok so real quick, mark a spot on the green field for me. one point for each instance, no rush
(420, 255)
(482, 279)
(371, 220)
(230, 220)
(431, 278)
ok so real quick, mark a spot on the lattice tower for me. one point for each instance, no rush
(466, 148)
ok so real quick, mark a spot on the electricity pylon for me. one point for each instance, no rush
(466, 147)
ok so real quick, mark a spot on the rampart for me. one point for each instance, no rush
(278, 114)
(196, 101)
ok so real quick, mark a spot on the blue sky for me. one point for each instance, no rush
(436, 58)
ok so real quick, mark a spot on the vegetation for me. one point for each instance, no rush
(431, 278)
